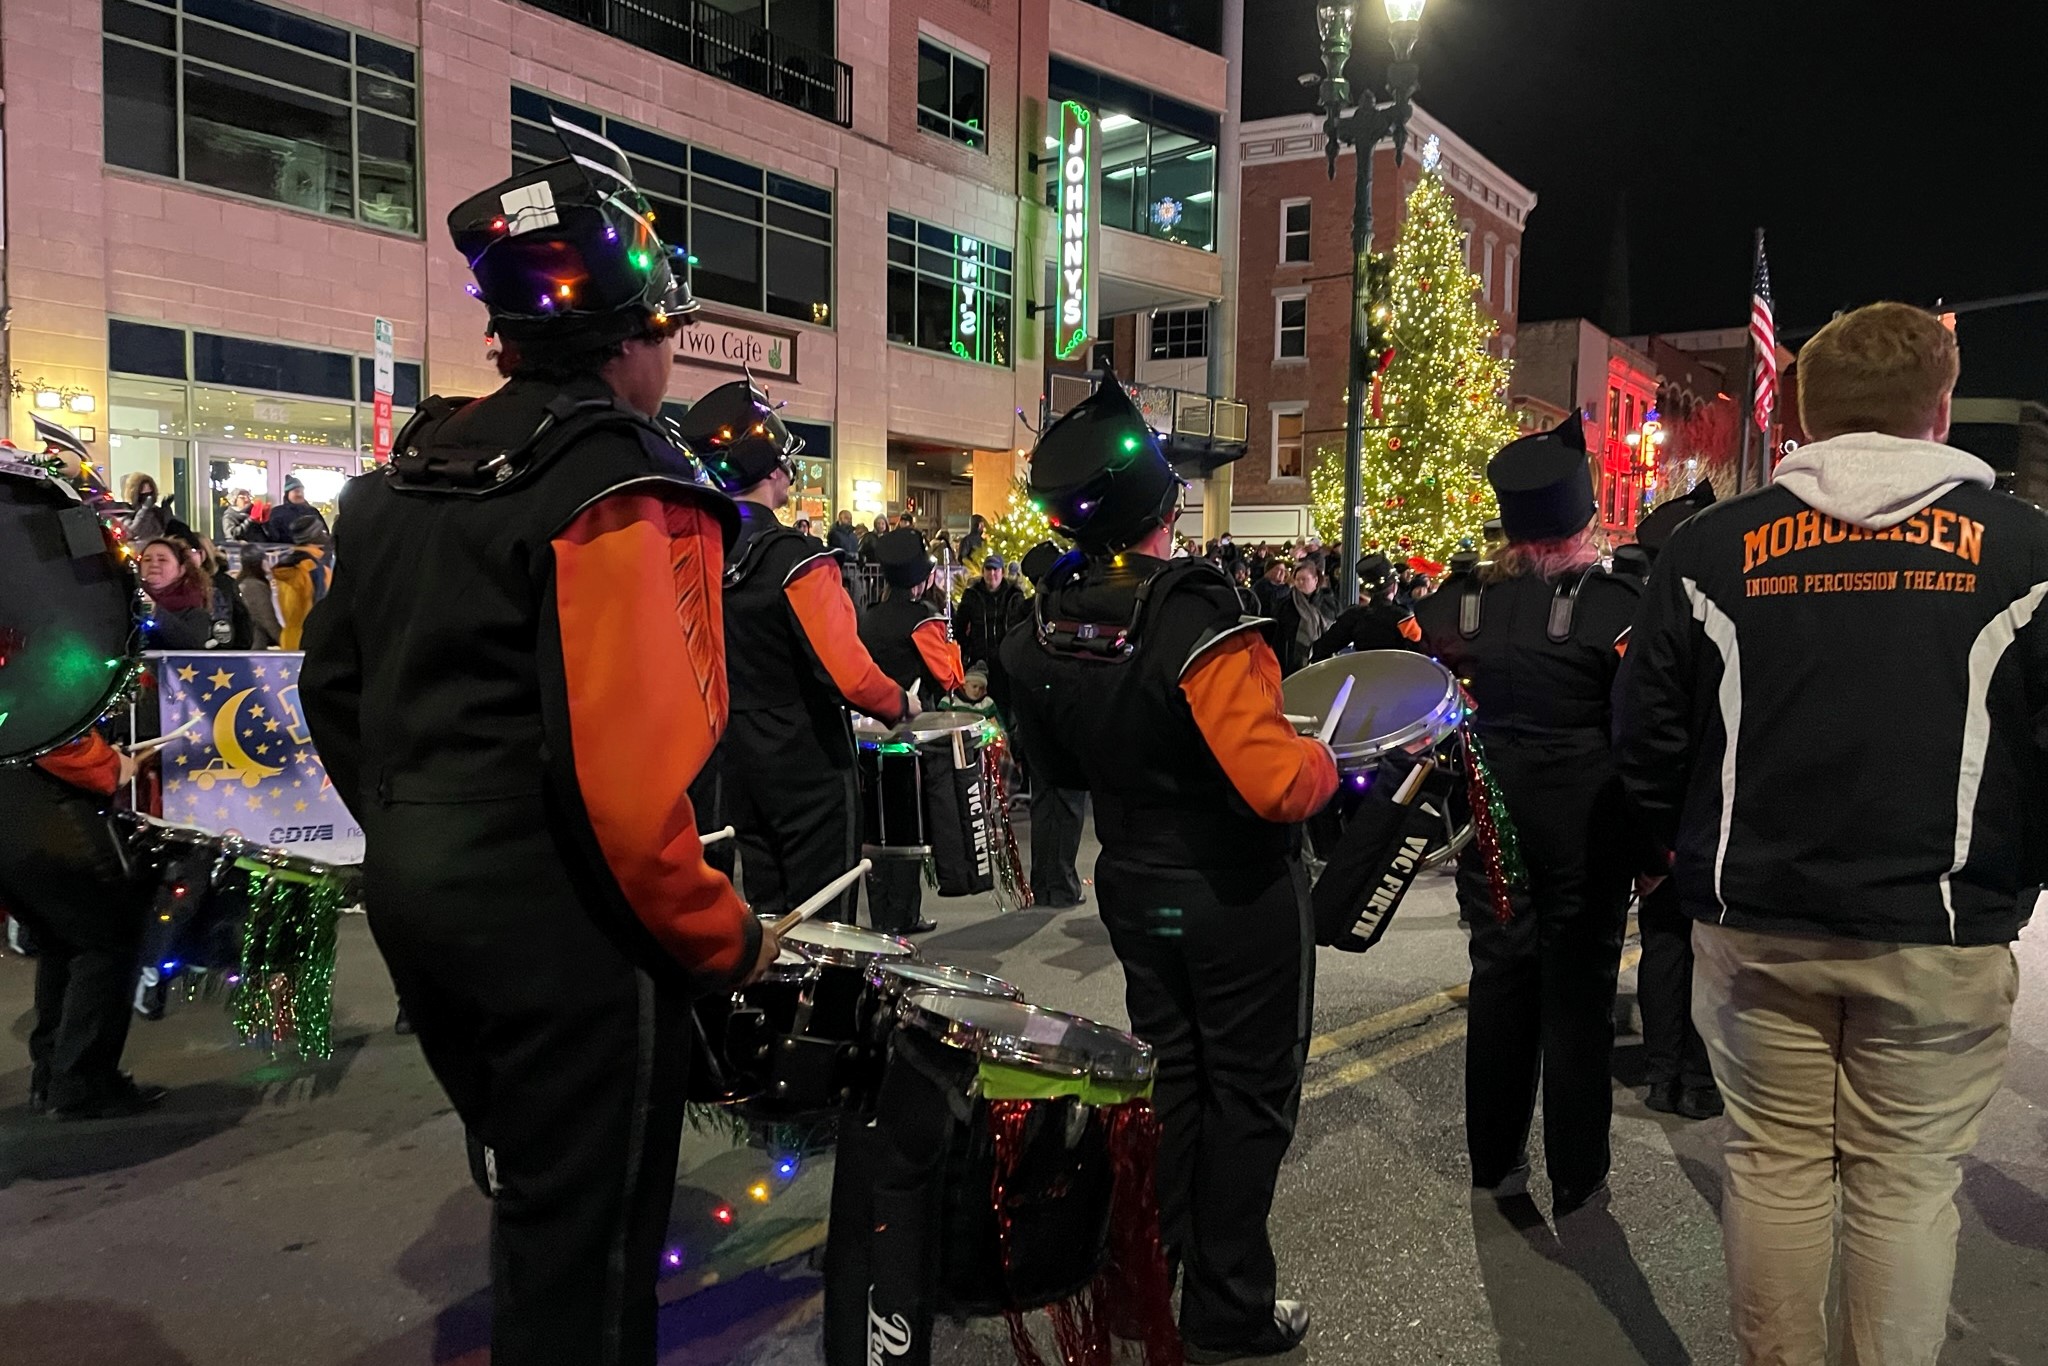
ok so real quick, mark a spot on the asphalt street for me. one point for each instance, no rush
(287, 1214)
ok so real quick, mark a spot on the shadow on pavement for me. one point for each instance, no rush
(2010, 1210)
(67, 1332)
(1522, 1294)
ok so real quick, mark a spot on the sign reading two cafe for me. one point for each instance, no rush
(734, 346)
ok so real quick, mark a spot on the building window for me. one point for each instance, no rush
(1287, 442)
(1102, 356)
(948, 292)
(260, 102)
(756, 240)
(952, 95)
(1294, 218)
(1614, 414)
(1180, 334)
(1466, 225)
(1507, 279)
(1290, 336)
(1486, 274)
(1157, 156)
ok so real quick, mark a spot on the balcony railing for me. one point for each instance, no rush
(724, 45)
(1200, 431)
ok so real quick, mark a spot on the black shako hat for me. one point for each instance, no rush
(738, 435)
(1660, 521)
(1101, 473)
(905, 561)
(1375, 571)
(1039, 560)
(568, 250)
(1544, 484)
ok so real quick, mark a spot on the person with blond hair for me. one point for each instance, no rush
(1537, 637)
(1831, 717)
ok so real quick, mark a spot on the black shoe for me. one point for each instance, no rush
(1663, 1097)
(1514, 1182)
(1566, 1201)
(1290, 1326)
(1699, 1102)
(119, 1102)
(921, 927)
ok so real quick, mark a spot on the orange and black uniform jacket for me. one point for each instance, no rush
(1233, 689)
(912, 643)
(88, 763)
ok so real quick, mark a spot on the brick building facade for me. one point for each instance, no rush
(206, 209)
(1294, 265)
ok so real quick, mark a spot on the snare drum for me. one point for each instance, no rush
(815, 1065)
(1052, 1074)
(1405, 709)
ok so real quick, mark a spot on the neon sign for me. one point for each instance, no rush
(1077, 175)
(967, 299)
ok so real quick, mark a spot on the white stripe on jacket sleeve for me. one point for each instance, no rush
(1985, 653)
(1720, 629)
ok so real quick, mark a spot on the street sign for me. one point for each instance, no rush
(380, 437)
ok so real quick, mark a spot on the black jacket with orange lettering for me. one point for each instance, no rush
(1837, 700)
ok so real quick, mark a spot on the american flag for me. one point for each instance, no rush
(1763, 330)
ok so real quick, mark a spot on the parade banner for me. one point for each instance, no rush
(248, 767)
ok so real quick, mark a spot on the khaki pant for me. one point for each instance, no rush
(1856, 1074)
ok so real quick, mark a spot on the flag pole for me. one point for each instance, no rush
(1749, 368)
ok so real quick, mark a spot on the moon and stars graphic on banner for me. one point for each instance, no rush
(249, 766)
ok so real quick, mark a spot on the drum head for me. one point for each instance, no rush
(828, 941)
(70, 628)
(868, 730)
(792, 964)
(933, 725)
(1397, 698)
(1011, 1034)
(938, 977)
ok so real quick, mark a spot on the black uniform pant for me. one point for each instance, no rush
(1672, 1048)
(1057, 814)
(1542, 1002)
(563, 1043)
(62, 873)
(793, 794)
(1219, 973)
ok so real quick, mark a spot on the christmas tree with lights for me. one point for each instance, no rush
(1018, 531)
(1441, 410)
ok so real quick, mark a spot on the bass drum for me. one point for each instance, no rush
(70, 615)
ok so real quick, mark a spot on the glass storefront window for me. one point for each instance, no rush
(1157, 156)
(323, 486)
(811, 495)
(239, 416)
(948, 292)
(229, 474)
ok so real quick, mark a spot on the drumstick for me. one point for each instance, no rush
(716, 835)
(1410, 785)
(1336, 711)
(142, 747)
(824, 895)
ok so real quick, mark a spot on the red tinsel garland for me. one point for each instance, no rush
(1131, 1291)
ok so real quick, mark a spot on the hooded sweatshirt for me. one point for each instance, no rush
(1831, 698)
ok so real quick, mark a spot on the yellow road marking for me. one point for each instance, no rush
(1414, 1046)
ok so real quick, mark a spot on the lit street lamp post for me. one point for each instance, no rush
(1362, 126)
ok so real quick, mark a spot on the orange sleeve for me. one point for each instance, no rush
(825, 613)
(1411, 629)
(87, 762)
(637, 583)
(940, 654)
(1234, 691)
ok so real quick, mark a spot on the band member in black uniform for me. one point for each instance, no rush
(1057, 813)
(1378, 622)
(1143, 681)
(512, 682)
(910, 640)
(1676, 1067)
(795, 661)
(1537, 636)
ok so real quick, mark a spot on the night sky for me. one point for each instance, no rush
(1884, 160)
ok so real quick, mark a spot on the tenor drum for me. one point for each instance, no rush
(891, 800)
(816, 1062)
(1041, 1082)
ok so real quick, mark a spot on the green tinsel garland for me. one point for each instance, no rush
(1500, 847)
(287, 969)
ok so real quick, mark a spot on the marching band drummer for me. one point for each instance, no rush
(517, 741)
(795, 662)
(911, 641)
(1537, 636)
(1377, 622)
(1145, 684)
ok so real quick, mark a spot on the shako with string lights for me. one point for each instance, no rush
(513, 681)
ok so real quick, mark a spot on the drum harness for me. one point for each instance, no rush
(1115, 642)
(479, 471)
(1564, 602)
